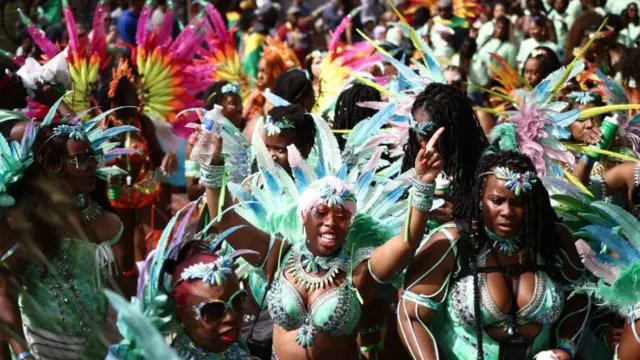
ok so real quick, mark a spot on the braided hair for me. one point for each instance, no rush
(461, 144)
(296, 87)
(539, 235)
(347, 112)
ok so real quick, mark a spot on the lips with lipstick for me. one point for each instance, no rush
(229, 336)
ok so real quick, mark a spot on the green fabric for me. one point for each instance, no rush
(39, 307)
(52, 11)
(480, 73)
(253, 53)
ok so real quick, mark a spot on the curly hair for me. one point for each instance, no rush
(294, 85)
(304, 126)
(461, 144)
(347, 113)
(629, 65)
(539, 235)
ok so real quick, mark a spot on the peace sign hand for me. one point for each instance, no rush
(429, 162)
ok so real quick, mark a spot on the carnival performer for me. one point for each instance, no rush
(62, 306)
(296, 87)
(139, 202)
(320, 269)
(203, 303)
(507, 233)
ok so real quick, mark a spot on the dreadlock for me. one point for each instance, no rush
(539, 233)
(295, 86)
(462, 143)
(347, 112)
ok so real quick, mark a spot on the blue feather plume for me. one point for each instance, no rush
(622, 247)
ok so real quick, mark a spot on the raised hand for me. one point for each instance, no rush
(216, 159)
(429, 162)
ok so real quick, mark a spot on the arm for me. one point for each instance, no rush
(390, 259)
(583, 170)
(157, 154)
(249, 237)
(629, 348)
(194, 188)
(10, 312)
(622, 178)
(423, 292)
(575, 314)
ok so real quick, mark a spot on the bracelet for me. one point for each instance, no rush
(422, 197)
(636, 175)
(25, 354)
(211, 176)
(130, 272)
(422, 186)
(568, 346)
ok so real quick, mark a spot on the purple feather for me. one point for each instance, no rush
(143, 276)
(98, 41)
(178, 239)
(72, 29)
(143, 24)
(218, 24)
(188, 32)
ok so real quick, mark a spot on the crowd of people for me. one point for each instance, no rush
(357, 179)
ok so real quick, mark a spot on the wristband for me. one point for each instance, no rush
(422, 195)
(211, 176)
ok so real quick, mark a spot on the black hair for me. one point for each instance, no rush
(461, 144)
(625, 15)
(294, 86)
(422, 15)
(539, 235)
(584, 22)
(50, 153)
(303, 123)
(214, 94)
(629, 65)
(347, 113)
(468, 47)
(549, 61)
(506, 24)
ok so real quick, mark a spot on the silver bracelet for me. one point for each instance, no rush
(422, 200)
(636, 175)
(423, 186)
(211, 176)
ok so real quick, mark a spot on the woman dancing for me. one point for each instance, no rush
(498, 259)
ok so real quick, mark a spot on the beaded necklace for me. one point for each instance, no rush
(89, 210)
(508, 246)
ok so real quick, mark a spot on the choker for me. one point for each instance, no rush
(89, 210)
(303, 262)
(186, 349)
(508, 246)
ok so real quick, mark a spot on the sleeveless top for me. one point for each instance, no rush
(63, 307)
(336, 312)
(454, 324)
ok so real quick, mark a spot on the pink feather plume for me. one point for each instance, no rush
(99, 40)
(218, 23)
(143, 24)
(72, 29)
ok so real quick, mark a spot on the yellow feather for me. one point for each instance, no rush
(589, 113)
(573, 180)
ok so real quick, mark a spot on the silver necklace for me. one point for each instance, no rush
(302, 262)
(89, 210)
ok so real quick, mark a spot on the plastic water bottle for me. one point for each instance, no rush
(203, 149)
(608, 128)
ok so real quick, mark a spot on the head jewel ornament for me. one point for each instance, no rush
(330, 191)
(515, 181)
(75, 131)
(231, 88)
(213, 273)
(582, 97)
(422, 128)
(275, 127)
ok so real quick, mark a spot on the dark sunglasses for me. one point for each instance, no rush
(214, 310)
(81, 160)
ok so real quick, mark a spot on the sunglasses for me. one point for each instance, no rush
(214, 310)
(81, 160)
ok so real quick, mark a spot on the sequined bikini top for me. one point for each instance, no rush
(545, 306)
(336, 312)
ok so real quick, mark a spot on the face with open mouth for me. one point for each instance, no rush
(216, 325)
(326, 228)
(502, 210)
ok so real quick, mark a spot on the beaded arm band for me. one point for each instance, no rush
(422, 195)
(211, 177)
(636, 175)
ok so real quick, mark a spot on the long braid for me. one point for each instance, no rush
(463, 141)
(347, 111)
(540, 238)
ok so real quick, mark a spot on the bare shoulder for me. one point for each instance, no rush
(106, 226)
(438, 247)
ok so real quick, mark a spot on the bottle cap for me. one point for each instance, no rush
(442, 183)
